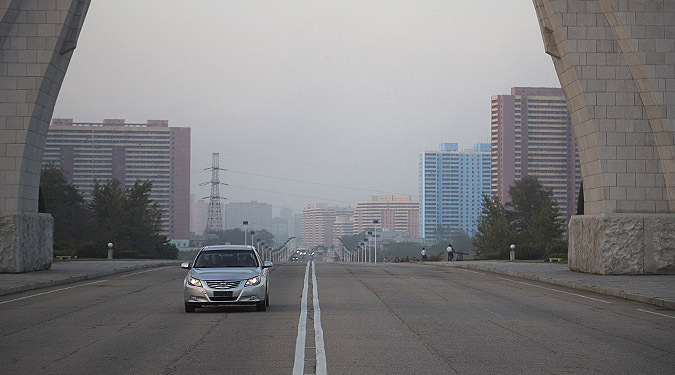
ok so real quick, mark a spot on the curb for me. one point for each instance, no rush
(74, 279)
(604, 291)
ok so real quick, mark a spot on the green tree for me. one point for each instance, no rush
(443, 234)
(353, 241)
(264, 236)
(221, 237)
(71, 218)
(107, 209)
(535, 216)
(129, 219)
(493, 235)
(236, 237)
(400, 250)
(461, 241)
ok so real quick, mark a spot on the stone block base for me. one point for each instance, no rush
(619, 244)
(26, 240)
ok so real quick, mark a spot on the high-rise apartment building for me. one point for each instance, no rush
(115, 149)
(318, 222)
(258, 215)
(396, 213)
(199, 211)
(343, 226)
(279, 229)
(532, 135)
(452, 184)
(296, 227)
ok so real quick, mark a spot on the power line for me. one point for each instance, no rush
(295, 195)
(315, 163)
(316, 183)
(319, 183)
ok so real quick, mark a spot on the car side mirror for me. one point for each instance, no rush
(185, 265)
(267, 264)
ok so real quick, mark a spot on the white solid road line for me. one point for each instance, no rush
(299, 365)
(655, 313)
(555, 290)
(318, 331)
(137, 273)
(51, 291)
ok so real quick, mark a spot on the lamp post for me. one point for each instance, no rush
(245, 223)
(252, 236)
(512, 253)
(365, 242)
(375, 222)
(110, 250)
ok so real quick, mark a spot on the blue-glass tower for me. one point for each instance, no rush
(452, 184)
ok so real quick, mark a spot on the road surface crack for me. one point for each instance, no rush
(448, 363)
(171, 367)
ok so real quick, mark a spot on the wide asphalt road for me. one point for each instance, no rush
(363, 319)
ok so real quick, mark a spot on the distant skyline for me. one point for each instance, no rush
(344, 94)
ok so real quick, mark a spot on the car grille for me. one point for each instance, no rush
(231, 284)
(222, 299)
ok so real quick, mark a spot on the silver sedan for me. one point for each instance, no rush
(224, 275)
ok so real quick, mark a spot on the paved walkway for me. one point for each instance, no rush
(657, 290)
(73, 271)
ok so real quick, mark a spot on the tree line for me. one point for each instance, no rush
(125, 216)
(531, 221)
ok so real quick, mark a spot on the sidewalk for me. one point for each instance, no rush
(73, 271)
(656, 290)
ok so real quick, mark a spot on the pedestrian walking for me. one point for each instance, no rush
(451, 252)
(424, 254)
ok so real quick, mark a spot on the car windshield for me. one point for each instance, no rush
(226, 258)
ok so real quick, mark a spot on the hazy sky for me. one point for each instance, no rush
(340, 93)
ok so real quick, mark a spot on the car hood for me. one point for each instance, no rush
(230, 273)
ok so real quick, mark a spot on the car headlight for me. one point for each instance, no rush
(194, 282)
(253, 281)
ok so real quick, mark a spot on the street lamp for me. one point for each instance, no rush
(375, 222)
(365, 241)
(512, 253)
(252, 236)
(245, 223)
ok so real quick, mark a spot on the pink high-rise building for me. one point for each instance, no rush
(532, 135)
(396, 213)
(320, 221)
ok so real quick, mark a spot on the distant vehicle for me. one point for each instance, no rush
(294, 258)
(226, 275)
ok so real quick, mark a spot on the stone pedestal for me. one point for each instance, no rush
(26, 242)
(610, 244)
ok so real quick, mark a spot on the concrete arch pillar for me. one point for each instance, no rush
(616, 63)
(37, 39)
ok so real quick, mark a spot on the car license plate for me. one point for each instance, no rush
(222, 293)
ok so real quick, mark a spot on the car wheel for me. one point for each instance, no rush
(261, 306)
(189, 308)
(267, 299)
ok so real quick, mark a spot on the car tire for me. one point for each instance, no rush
(189, 308)
(261, 306)
(267, 299)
